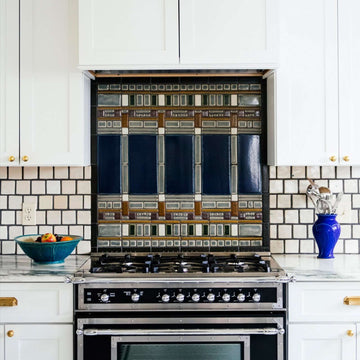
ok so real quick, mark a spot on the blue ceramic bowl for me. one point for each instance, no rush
(47, 252)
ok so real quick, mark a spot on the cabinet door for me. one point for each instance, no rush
(306, 86)
(116, 33)
(241, 32)
(322, 341)
(54, 129)
(39, 342)
(9, 82)
(349, 79)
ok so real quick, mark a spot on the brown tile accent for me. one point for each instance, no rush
(161, 122)
(125, 120)
(125, 208)
(161, 208)
(234, 208)
(197, 208)
(197, 119)
(234, 119)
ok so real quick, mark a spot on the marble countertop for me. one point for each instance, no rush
(20, 268)
(310, 268)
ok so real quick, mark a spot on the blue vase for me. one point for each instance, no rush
(326, 231)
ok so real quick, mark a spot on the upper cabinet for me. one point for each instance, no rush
(179, 34)
(242, 32)
(45, 120)
(312, 115)
(120, 32)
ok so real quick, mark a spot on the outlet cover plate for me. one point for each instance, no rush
(29, 214)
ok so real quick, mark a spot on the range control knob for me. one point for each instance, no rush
(256, 297)
(104, 297)
(226, 297)
(241, 297)
(165, 298)
(135, 297)
(180, 297)
(211, 297)
(195, 297)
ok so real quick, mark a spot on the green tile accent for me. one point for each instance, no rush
(168, 100)
(190, 100)
(132, 230)
(227, 230)
(168, 230)
(153, 230)
(191, 230)
(153, 100)
(226, 100)
(132, 100)
(205, 230)
(205, 100)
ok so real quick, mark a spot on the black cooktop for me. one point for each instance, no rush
(179, 263)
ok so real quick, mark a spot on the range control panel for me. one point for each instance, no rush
(179, 295)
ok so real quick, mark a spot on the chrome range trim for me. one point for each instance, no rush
(279, 305)
(186, 332)
(161, 320)
(115, 340)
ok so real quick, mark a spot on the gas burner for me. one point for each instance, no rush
(179, 263)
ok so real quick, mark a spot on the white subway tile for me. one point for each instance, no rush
(76, 172)
(45, 202)
(291, 246)
(276, 216)
(61, 172)
(3, 233)
(15, 231)
(327, 172)
(38, 187)
(7, 187)
(307, 216)
(339, 247)
(30, 230)
(276, 186)
(300, 231)
(30, 172)
(3, 202)
(351, 246)
(87, 232)
(351, 186)
(15, 202)
(8, 247)
(283, 172)
(61, 230)
(46, 172)
(7, 217)
(273, 232)
(343, 172)
(75, 202)
(291, 216)
(345, 231)
(60, 202)
(272, 201)
(15, 173)
(84, 217)
(307, 246)
(54, 217)
(299, 201)
(272, 172)
(277, 246)
(84, 247)
(291, 186)
(313, 172)
(84, 187)
(45, 229)
(298, 172)
(3, 172)
(23, 187)
(69, 217)
(87, 202)
(41, 217)
(87, 171)
(53, 187)
(336, 186)
(68, 186)
(284, 201)
(284, 231)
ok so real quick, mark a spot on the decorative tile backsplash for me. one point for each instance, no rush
(179, 164)
(63, 202)
(292, 214)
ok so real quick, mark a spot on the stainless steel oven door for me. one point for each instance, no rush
(202, 338)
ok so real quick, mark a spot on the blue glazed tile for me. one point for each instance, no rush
(142, 164)
(249, 167)
(109, 164)
(179, 164)
(216, 164)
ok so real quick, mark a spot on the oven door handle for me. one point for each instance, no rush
(175, 332)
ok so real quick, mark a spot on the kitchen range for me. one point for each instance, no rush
(180, 267)
(181, 306)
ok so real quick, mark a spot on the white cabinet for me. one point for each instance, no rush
(45, 122)
(313, 115)
(303, 93)
(39, 324)
(114, 32)
(9, 80)
(349, 80)
(39, 342)
(321, 326)
(242, 32)
(179, 34)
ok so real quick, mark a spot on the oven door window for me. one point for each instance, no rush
(180, 348)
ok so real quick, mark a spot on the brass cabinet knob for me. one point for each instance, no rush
(350, 333)
(11, 158)
(352, 300)
(25, 158)
(346, 158)
(8, 301)
(10, 333)
(332, 158)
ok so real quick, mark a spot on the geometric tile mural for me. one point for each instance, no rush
(179, 165)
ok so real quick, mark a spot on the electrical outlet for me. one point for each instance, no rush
(29, 214)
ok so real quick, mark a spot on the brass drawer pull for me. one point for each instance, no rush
(8, 301)
(352, 300)
(10, 333)
(350, 333)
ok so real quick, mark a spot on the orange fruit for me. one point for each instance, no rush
(66, 238)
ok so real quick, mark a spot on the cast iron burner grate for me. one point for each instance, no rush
(156, 263)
